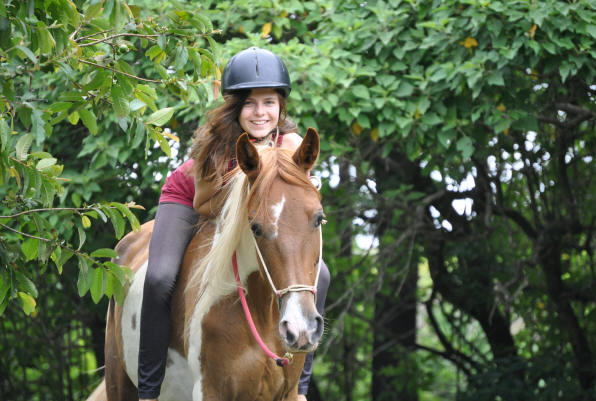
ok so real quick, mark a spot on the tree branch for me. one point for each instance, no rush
(150, 37)
(119, 72)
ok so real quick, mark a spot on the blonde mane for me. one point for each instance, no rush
(233, 223)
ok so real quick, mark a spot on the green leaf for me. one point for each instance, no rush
(496, 79)
(119, 101)
(465, 146)
(160, 117)
(116, 219)
(23, 145)
(4, 133)
(104, 253)
(29, 248)
(132, 219)
(27, 303)
(97, 287)
(26, 284)
(110, 282)
(73, 117)
(57, 107)
(60, 256)
(82, 237)
(181, 57)
(85, 276)
(361, 91)
(405, 89)
(37, 126)
(163, 142)
(45, 163)
(27, 52)
(4, 288)
(89, 119)
(146, 99)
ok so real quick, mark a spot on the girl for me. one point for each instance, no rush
(255, 85)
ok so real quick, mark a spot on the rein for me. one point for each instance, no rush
(288, 357)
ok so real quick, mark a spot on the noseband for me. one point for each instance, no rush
(288, 357)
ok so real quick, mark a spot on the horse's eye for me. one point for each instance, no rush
(256, 228)
(319, 219)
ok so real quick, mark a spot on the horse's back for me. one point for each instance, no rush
(133, 249)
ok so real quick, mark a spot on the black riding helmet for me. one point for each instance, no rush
(256, 68)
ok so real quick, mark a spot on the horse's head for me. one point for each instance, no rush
(285, 215)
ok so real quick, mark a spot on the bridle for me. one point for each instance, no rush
(288, 357)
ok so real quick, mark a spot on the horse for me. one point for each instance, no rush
(269, 233)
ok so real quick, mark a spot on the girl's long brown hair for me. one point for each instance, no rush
(214, 143)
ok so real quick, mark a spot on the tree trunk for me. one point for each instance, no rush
(394, 372)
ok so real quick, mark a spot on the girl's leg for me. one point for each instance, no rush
(172, 231)
(322, 287)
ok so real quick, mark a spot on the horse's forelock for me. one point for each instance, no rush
(277, 162)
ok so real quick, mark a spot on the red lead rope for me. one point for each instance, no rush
(280, 361)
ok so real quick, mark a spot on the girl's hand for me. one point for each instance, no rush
(301, 397)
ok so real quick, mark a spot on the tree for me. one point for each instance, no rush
(87, 89)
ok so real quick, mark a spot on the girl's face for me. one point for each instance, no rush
(260, 112)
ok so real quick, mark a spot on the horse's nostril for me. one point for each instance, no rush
(320, 325)
(287, 333)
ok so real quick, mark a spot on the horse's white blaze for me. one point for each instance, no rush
(276, 210)
(294, 315)
(247, 263)
(177, 384)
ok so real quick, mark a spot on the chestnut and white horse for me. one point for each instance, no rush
(271, 220)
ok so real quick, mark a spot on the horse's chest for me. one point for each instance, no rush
(233, 366)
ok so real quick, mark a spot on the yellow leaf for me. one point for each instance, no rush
(469, 43)
(356, 128)
(532, 30)
(540, 305)
(172, 136)
(132, 205)
(266, 30)
(86, 222)
(27, 302)
(506, 131)
(374, 134)
(501, 107)
(241, 29)
(16, 175)
(284, 14)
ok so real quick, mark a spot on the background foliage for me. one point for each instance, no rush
(458, 141)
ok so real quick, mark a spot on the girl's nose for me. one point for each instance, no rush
(259, 108)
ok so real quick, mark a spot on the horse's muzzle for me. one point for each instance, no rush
(300, 325)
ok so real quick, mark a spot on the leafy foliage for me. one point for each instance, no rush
(458, 141)
(96, 66)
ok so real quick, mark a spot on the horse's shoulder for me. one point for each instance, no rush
(133, 248)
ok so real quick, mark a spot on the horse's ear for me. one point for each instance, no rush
(247, 156)
(308, 151)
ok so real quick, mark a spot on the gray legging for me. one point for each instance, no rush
(174, 227)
